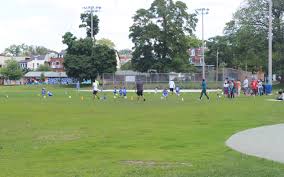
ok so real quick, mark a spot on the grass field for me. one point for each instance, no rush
(63, 137)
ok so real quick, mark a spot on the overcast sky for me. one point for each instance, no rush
(43, 22)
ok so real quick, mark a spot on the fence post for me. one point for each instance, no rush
(223, 73)
(113, 79)
(103, 81)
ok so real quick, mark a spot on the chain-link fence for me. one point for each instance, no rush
(160, 80)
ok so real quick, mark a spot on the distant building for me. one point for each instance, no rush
(124, 59)
(196, 59)
(3, 60)
(35, 61)
(195, 56)
(56, 64)
(24, 63)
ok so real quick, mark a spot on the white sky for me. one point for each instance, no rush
(43, 22)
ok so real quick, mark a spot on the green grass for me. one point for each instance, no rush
(62, 137)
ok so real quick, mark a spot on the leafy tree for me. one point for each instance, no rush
(11, 70)
(86, 23)
(104, 59)
(83, 59)
(42, 77)
(160, 36)
(15, 50)
(193, 42)
(107, 42)
(127, 52)
(26, 50)
(127, 66)
(86, 62)
(246, 36)
(43, 68)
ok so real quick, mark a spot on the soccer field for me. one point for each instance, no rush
(70, 137)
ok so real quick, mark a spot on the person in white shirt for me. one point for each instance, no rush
(226, 88)
(96, 89)
(281, 95)
(172, 86)
(246, 86)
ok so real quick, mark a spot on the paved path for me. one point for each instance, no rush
(264, 142)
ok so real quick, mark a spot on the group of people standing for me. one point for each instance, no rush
(233, 88)
(255, 87)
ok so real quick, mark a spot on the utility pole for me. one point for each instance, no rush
(217, 66)
(203, 11)
(91, 10)
(270, 45)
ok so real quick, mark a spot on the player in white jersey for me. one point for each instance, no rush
(96, 89)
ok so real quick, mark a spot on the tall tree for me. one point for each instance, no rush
(11, 70)
(247, 35)
(160, 36)
(107, 42)
(87, 23)
(83, 59)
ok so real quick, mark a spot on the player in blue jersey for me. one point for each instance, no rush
(43, 92)
(165, 94)
(120, 92)
(49, 93)
(178, 90)
(114, 91)
(124, 92)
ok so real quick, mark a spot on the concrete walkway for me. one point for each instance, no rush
(264, 142)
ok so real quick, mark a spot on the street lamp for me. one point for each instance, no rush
(203, 11)
(270, 45)
(91, 10)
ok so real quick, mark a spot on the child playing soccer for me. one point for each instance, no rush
(124, 92)
(114, 91)
(165, 94)
(43, 92)
(120, 92)
(177, 90)
(49, 93)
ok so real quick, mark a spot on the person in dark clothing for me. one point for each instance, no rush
(204, 88)
(140, 89)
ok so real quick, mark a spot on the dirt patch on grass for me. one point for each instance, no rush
(59, 137)
(156, 164)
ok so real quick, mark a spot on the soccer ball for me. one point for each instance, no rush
(125, 97)
(70, 97)
(44, 97)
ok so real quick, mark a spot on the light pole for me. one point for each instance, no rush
(203, 11)
(270, 45)
(91, 10)
(217, 66)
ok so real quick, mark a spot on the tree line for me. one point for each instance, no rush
(163, 33)
(244, 44)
